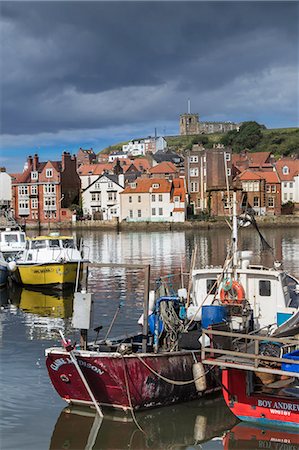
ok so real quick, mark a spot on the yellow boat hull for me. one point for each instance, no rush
(48, 274)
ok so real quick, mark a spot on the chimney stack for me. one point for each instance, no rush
(35, 162)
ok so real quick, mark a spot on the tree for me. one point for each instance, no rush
(248, 136)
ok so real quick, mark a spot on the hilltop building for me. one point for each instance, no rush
(190, 124)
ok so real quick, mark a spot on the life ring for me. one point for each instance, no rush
(231, 292)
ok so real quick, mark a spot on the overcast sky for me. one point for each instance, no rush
(90, 74)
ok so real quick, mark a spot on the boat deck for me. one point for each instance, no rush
(247, 355)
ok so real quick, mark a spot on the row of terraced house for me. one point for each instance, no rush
(155, 186)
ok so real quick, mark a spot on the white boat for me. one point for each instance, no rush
(49, 260)
(268, 297)
(12, 243)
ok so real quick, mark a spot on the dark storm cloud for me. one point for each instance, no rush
(70, 65)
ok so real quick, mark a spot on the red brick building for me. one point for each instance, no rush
(86, 156)
(262, 191)
(45, 191)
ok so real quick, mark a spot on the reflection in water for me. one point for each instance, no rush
(46, 311)
(169, 427)
(244, 436)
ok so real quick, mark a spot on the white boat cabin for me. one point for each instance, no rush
(273, 294)
(50, 249)
(12, 242)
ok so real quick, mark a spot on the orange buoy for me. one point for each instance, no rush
(232, 292)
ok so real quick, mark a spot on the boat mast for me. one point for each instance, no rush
(235, 231)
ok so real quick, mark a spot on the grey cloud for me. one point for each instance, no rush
(60, 56)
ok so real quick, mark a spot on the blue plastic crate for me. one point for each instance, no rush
(291, 367)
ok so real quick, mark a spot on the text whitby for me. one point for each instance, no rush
(285, 406)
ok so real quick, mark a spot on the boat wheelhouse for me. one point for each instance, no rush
(272, 294)
(49, 260)
(12, 243)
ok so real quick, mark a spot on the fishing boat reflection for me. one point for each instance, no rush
(47, 303)
(179, 425)
(44, 310)
(244, 436)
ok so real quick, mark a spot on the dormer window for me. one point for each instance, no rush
(49, 173)
(34, 175)
(133, 185)
(285, 170)
(156, 186)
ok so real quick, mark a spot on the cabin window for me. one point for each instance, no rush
(11, 238)
(54, 243)
(265, 288)
(211, 286)
(68, 243)
(38, 244)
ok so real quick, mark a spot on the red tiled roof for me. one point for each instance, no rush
(256, 159)
(291, 164)
(94, 169)
(164, 167)
(145, 185)
(179, 188)
(269, 177)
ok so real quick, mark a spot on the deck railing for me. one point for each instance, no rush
(249, 356)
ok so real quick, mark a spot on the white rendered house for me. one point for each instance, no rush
(101, 198)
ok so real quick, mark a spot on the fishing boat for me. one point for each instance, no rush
(271, 295)
(260, 376)
(245, 436)
(49, 260)
(12, 243)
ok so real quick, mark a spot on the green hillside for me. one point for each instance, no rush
(280, 141)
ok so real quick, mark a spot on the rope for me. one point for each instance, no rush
(129, 398)
(172, 323)
(174, 382)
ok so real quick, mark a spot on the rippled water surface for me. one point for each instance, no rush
(32, 415)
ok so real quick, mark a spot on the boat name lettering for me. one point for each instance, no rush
(279, 445)
(60, 362)
(284, 406)
(90, 366)
(45, 270)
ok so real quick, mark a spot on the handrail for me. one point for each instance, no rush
(212, 353)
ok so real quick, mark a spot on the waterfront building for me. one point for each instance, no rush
(46, 191)
(154, 200)
(261, 191)
(5, 188)
(88, 173)
(288, 172)
(100, 199)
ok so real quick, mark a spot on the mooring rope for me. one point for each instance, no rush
(129, 398)
(174, 382)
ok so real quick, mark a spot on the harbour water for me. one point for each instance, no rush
(32, 415)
